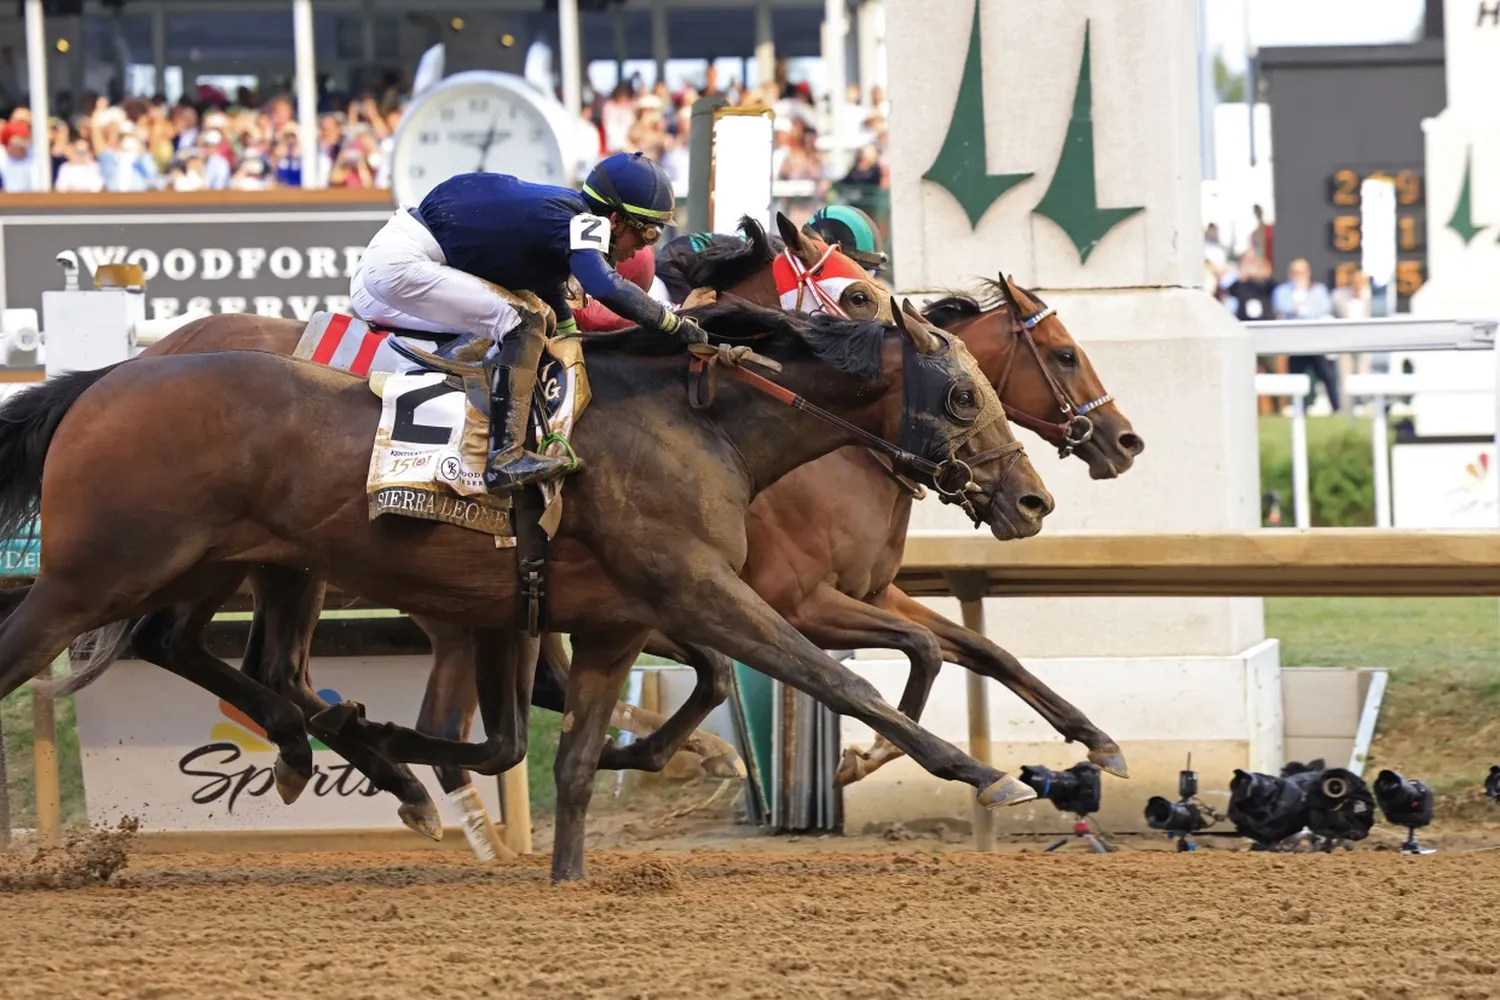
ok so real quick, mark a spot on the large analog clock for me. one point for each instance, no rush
(478, 120)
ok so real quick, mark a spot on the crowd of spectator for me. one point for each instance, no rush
(847, 144)
(1245, 283)
(249, 143)
(214, 143)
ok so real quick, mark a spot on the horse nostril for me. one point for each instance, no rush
(1035, 506)
(1131, 443)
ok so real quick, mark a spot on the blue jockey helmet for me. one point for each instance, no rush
(631, 183)
(855, 233)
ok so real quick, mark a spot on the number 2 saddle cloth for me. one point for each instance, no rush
(432, 441)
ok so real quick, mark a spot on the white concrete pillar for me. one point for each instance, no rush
(572, 68)
(307, 90)
(660, 47)
(622, 48)
(765, 42)
(835, 36)
(1060, 144)
(36, 83)
(1463, 211)
(870, 30)
(159, 48)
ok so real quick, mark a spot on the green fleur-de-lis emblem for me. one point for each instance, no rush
(1462, 220)
(1071, 200)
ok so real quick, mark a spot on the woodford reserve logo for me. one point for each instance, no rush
(235, 268)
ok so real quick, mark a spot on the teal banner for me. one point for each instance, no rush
(22, 555)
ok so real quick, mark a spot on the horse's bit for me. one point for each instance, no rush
(1076, 428)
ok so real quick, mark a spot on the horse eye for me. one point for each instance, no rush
(859, 298)
(967, 398)
(1067, 358)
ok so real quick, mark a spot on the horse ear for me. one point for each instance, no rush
(789, 232)
(923, 340)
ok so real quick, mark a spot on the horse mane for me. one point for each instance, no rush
(725, 263)
(988, 296)
(852, 346)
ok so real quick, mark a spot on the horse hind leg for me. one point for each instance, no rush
(286, 614)
(664, 736)
(172, 638)
(835, 620)
(38, 630)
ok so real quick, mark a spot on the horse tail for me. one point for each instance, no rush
(27, 422)
(89, 655)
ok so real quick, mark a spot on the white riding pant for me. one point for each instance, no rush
(403, 280)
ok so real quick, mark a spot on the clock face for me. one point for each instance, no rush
(462, 127)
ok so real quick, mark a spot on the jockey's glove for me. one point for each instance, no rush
(689, 330)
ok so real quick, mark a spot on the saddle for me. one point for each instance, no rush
(431, 444)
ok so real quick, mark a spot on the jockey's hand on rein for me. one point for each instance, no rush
(689, 330)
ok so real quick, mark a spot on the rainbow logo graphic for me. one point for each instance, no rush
(245, 734)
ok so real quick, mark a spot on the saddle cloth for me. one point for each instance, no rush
(432, 442)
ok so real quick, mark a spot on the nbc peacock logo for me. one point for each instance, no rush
(236, 727)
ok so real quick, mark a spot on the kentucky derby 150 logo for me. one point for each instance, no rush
(227, 775)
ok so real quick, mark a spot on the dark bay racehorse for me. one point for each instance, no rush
(265, 463)
(824, 544)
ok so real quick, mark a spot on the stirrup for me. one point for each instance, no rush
(524, 469)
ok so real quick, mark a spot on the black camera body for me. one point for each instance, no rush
(1185, 816)
(1333, 803)
(1492, 783)
(1075, 790)
(1405, 802)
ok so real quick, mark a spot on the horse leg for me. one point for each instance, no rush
(719, 757)
(287, 604)
(503, 665)
(719, 610)
(715, 679)
(39, 629)
(172, 638)
(975, 652)
(448, 711)
(835, 620)
(601, 662)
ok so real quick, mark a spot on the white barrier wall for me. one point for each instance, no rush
(1062, 146)
(157, 747)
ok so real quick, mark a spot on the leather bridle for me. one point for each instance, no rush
(1075, 427)
(953, 478)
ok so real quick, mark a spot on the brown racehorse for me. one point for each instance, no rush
(266, 463)
(824, 544)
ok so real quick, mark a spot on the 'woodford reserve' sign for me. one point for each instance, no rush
(275, 263)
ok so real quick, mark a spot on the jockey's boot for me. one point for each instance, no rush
(513, 382)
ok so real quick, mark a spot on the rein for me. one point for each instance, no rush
(953, 478)
(1076, 428)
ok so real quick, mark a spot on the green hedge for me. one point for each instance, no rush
(1342, 486)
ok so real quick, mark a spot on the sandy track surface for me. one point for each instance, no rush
(905, 922)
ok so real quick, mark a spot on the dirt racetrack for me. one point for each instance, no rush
(907, 922)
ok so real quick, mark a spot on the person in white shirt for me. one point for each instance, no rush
(81, 172)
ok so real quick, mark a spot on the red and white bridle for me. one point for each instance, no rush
(818, 288)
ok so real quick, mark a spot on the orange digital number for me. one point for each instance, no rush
(1409, 187)
(1409, 237)
(1345, 188)
(1346, 233)
(1409, 277)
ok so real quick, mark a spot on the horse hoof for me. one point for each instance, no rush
(422, 818)
(1110, 760)
(725, 765)
(1006, 792)
(289, 781)
(850, 767)
(332, 720)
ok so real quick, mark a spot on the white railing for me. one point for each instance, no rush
(1387, 334)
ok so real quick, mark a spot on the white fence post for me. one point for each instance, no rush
(1380, 447)
(1301, 489)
